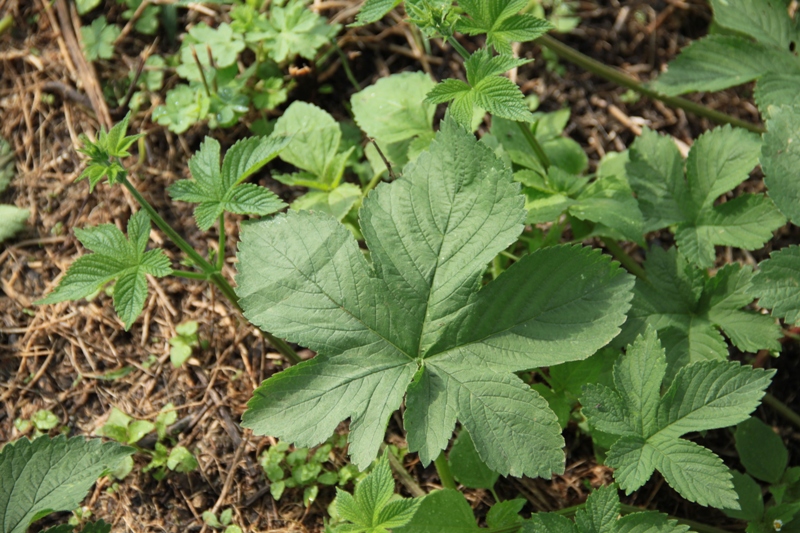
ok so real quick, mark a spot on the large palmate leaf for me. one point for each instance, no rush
(49, 475)
(703, 396)
(411, 321)
(719, 161)
(116, 258)
(689, 309)
(217, 190)
(761, 48)
(601, 514)
(780, 157)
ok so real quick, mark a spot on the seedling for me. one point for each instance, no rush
(182, 344)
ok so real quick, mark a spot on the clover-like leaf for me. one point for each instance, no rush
(777, 284)
(47, 475)
(703, 396)
(412, 320)
(98, 39)
(601, 514)
(501, 21)
(485, 89)
(372, 508)
(689, 309)
(719, 161)
(222, 43)
(296, 30)
(218, 189)
(185, 106)
(116, 258)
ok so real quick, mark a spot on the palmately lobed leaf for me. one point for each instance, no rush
(116, 258)
(702, 396)
(412, 319)
(47, 475)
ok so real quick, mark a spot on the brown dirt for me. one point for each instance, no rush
(50, 356)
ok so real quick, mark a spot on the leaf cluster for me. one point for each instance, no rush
(702, 396)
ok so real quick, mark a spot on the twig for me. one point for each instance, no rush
(404, 477)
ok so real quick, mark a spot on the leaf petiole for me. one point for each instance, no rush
(443, 469)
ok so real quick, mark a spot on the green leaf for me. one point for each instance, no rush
(719, 161)
(84, 6)
(412, 317)
(776, 89)
(393, 109)
(98, 39)
(185, 106)
(442, 511)
(466, 464)
(777, 284)
(374, 10)
(751, 502)
(601, 514)
(12, 221)
(779, 157)
(703, 396)
(315, 139)
(501, 22)
(689, 309)
(296, 30)
(336, 203)
(104, 152)
(766, 21)
(218, 191)
(181, 460)
(223, 44)
(505, 514)
(372, 508)
(47, 475)
(717, 62)
(761, 450)
(486, 89)
(115, 259)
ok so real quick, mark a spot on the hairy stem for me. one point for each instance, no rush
(406, 479)
(221, 246)
(189, 275)
(620, 78)
(211, 273)
(782, 409)
(443, 469)
(627, 261)
(457, 46)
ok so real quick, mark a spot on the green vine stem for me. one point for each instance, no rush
(622, 256)
(443, 469)
(620, 78)
(209, 271)
(221, 246)
(782, 409)
(405, 478)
